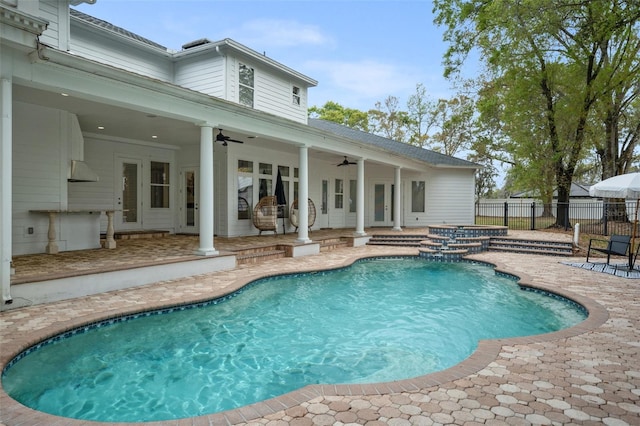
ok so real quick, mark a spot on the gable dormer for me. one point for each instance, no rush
(236, 73)
(224, 69)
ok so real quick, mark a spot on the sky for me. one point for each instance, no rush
(359, 51)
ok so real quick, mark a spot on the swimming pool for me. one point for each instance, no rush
(375, 321)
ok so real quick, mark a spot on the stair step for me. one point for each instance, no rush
(132, 235)
(413, 240)
(259, 256)
(524, 250)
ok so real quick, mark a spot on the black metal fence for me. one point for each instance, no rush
(594, 217)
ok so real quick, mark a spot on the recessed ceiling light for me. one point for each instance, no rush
(100, 127)
(154, 137)
(64, 94)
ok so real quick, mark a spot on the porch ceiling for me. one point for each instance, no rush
(119, 122)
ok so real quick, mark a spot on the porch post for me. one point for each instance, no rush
(396, 201)
(6, 168)
(206, 193)
(303, 196)
(360, 200)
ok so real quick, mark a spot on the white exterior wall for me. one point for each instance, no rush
(450, 196)
(39, 182)
(140, 60)
(102, 157)
(57, 32)
(272, 93)
(202, 73)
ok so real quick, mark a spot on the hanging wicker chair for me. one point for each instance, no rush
(293, 214)
(265, 214)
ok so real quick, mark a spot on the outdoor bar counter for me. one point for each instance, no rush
(81, 232)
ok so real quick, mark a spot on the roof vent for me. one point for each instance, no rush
(196, 43)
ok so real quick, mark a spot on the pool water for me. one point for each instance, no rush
(377, 320)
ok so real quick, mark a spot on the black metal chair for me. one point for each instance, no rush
(617, 245)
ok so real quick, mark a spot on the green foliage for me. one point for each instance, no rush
(333, 111)
(551, 65)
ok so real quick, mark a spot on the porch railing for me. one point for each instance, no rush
(594, 217)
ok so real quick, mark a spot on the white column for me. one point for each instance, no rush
(6, 203)
(360, 200)
(303, 196)
(396, 201)
(206, 193)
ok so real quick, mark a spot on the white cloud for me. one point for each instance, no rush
(367, 80)
(280, 33)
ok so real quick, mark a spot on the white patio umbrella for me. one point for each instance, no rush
(625, 186)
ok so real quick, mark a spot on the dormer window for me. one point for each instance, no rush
(296, 95)
(245, 89)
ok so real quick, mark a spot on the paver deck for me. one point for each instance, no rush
(588, 374)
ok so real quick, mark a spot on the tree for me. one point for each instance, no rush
(388, 120)
(453, 119)
(333, 111)
(558, 47)
(421, 110)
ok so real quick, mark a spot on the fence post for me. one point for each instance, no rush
(533, 216)
(605, 214)
(506, 214)
(566, 217)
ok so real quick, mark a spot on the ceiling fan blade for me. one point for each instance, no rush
(345, 162)
(224, 139)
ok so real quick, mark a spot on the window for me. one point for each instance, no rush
(159, 185)
(353, 193)
(266, 180)
(245, 89)
(245, 189)
(338, 194)
(417, 196)
(296, 95)
(325, 196)
(283, 211)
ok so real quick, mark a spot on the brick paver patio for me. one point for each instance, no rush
(589, 374)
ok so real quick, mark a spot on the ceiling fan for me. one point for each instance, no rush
(346, 162)
(224, 139)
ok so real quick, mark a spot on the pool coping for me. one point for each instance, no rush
(486, 352)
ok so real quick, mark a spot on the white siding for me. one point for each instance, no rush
(272, 93)
(101, 156)
(450, 197)
(113, 52)
(39, 173)
(56, 33)
(202, 74)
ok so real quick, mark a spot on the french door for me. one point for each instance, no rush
(189, 196)
(128, 191)
(383, 208)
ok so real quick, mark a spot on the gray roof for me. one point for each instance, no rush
(110, 27)
(400, 148)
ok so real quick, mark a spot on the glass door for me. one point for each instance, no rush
(128, 194)
(189, 201)
(383, 209)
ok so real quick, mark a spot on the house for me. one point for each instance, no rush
(576, 191)
(105, 131)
